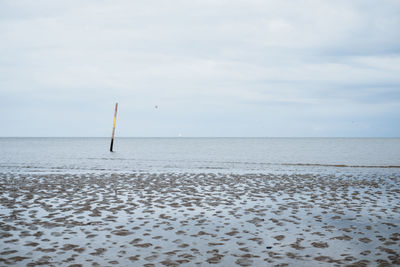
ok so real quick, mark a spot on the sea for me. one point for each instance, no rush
(204, 155)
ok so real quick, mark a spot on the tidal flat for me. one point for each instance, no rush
(199, 219)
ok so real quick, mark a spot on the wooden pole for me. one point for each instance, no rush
(113, 130)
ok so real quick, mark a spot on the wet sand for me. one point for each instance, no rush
(185, 219)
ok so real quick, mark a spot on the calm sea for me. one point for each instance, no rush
(225, 155)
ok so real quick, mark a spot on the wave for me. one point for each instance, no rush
(340, 165)
(195, 164)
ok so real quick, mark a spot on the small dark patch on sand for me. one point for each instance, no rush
(215, 259)
(7, 252)
(279, 237)
(320, 244)
(98, 251)
(134, 258)
(122, 232)
(244, 262)
(343, 237)
(169, 263)
(365, 239)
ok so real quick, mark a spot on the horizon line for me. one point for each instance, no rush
(181, 137)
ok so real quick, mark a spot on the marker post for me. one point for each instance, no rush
(113, 131)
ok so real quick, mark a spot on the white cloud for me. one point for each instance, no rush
(303, 57)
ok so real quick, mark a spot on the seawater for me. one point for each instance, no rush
(217, 155)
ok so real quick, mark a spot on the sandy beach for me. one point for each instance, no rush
(199, 219)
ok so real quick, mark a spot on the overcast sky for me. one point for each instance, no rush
(213, 68)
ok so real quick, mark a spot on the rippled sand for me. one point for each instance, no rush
(199, 219)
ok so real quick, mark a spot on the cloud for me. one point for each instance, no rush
(220, 62)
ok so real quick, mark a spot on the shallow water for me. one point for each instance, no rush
(236, 155)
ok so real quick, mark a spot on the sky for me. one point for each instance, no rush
(213, 68)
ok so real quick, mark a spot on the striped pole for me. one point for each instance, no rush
(113, 131)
